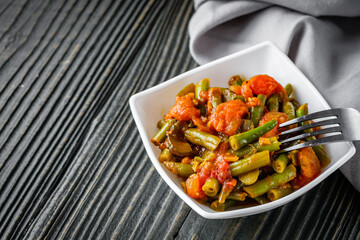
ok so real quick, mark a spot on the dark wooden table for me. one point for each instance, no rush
(72, 165)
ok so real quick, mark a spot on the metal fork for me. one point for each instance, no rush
(343, 125)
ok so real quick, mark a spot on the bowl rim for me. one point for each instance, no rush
(242, 211)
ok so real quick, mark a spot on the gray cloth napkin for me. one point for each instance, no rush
(321, 37)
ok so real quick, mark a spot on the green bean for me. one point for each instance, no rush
(245, 165)
(289, 89)
(161, 134)
(249, 178)
(242, 139)
(181, 169)
(319, 150)
(262, 98)
(277, 193)
(160, 123)
(272, 181)
(214, 98)
(187, 89)
(293, 156)
(273, 103)
(178, 147)
(237, 196)
(273, 146)
(201, 86)
(238, 187)
(246, 125)
(198, 159)
(257, 111)
(224, 193)
(201, 138)
(245, 151)
(240, 97)
(289, 109)
(211, 187)
(321, 155)
(280, 163)
(235, 80)
(302, 110)
(295, 142)
(295, 103)
(219, 207)
(208, 155)
(228, 95)
(184, 170)
(165, 155)
(261, 199)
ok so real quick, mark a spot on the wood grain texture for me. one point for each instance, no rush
(72, 165)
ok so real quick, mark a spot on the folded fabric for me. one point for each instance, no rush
(321, 37)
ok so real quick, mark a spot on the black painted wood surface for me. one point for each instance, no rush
(72, 165)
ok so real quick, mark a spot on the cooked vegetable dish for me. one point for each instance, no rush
(223, 142)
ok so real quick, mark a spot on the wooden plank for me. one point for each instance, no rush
(72, 164)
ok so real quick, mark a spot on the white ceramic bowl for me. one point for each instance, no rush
(151, 105)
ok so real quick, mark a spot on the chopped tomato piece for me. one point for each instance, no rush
(236, 89)
(300, 181)
(222, 167)
(229, 184)
(201, 125)
(243, 90)
(264, 141)
(227, 116)
(204, 96)
(193, 187)
(280, 118)
(184, 109)
(309, 167)
(222, 170)
(186, 160)
(266, 85)
(252, 102)
(309, 163)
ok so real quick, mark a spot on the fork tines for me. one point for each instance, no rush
(322, 114)
(293, 134)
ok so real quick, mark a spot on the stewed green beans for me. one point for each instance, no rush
(222, 142)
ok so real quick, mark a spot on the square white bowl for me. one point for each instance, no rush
(151, 105)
